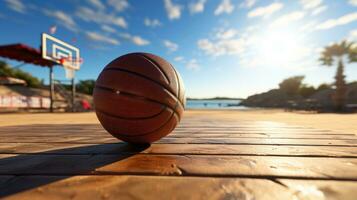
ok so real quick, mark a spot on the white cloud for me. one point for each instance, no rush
(101, 38)
(318, 10)
(288, 18)
(221, 46)
(97, 4)
(137, 40)
(171, 46)
(310, 4)
(266, 11)
(119, 5)
(173, 10)
(62, 18)
(192, 65)
(308, 27)
(226, 34)
(224, 7)
(315, 6)
(273, 47)
(248, 3)
(152, 22)
(179, 59)
(100, 17)
(197, 7)
(331, 23)
(120, 21)
(108, 29)
(353, 35)
(353, 2)
(16, 5)
(140, 41)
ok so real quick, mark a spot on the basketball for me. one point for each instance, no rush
(139, 98)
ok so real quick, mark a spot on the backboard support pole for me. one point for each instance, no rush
(52, 88)
(73, 94)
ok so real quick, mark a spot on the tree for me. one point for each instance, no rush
(7, 71)
(323, 86)
(291, 85)
(306, 91)
(86, 86)
(337, 52)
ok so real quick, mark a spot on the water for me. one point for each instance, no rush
(214, 104)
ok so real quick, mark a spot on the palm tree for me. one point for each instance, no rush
(338, 52)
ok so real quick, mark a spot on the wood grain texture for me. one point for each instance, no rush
(188, 165)
(208, 156)
(256, 141)
(178, 149)
(150, 187)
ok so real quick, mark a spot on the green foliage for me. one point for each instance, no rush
(323, 86)
(352, 56)
(6, 70)
(291, 85)
(86, 86)
(337, 52)
(340, 95)
(306, 91)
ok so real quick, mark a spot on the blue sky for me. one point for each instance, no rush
(229, 48)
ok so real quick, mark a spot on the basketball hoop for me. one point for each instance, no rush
(67, 64)
(63, 54)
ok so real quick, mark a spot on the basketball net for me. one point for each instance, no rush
(69, 71)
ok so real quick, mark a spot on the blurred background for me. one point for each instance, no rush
(232, 54)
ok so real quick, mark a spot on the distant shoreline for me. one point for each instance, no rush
(215, 98)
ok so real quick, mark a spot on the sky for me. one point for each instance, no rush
(231, 48)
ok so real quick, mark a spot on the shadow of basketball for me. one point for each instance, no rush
(28, 171)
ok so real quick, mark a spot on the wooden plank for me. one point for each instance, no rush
(152, 187)
(188, 165)
(199, 135)
(167, 140)
(29, 131)
(203, 127)
(262, 135)
(96, 128)
(142, 187)
(260, 141)
(315, 189)
(255, 129)
(179, 149)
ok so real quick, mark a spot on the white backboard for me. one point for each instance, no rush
(58, 51)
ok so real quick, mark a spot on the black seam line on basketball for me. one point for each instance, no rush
(155, 65)
(132, 118)
(136, 96)
(178, 86)
(131, 95)
(145, 77)
(153, 62)
(137, 74)
(148, 133)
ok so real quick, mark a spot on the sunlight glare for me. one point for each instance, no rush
(280, 47)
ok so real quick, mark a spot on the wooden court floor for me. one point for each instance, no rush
(210, 155)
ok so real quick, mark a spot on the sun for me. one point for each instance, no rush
(280, 47)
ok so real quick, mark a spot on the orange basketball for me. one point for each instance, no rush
(139, 98)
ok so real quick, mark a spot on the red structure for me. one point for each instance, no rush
(26, 54)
